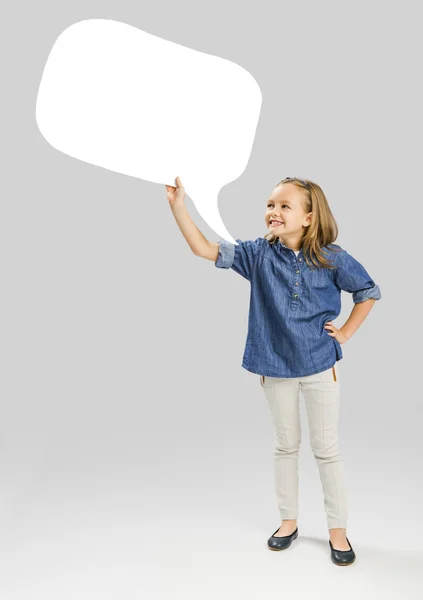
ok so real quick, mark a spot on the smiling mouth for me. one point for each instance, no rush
(275, 224)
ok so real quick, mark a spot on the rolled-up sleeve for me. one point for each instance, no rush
(240, 258)
(352, 277)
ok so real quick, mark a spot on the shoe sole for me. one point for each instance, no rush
(342, 564)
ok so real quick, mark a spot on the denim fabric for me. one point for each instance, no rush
(290, 303)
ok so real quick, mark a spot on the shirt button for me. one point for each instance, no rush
(297, 271)
(300, 259)
(296, 283)
(295, 295)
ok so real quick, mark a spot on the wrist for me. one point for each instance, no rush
(345, 333)
(177, 205)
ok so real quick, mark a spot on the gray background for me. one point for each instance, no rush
(136, 453)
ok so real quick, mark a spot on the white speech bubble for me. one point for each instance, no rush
(117, 97)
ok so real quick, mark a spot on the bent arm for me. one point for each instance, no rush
(357, 316)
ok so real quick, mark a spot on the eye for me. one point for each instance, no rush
(271, 204)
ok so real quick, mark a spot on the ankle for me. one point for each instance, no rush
(337, 532)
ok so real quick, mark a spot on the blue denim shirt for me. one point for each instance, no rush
(290, 303)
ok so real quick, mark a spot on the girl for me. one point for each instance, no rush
(296, 274)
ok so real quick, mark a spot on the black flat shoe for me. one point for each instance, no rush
(342, 557)
(283, 542)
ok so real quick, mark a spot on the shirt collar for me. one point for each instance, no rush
(285, 247)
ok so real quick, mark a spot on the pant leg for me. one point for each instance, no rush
(322, 396)
(283, 400)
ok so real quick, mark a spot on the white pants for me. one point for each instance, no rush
(321, 392)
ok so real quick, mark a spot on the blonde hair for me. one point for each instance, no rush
(323, 229)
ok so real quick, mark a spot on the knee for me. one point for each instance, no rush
(286, 450)
(322, 457)
(328, 453)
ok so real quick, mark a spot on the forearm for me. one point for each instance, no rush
(196, 240)
(357, 316)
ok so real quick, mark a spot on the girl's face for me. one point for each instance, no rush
(285, 207)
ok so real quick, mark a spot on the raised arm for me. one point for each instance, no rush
(196, 240)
